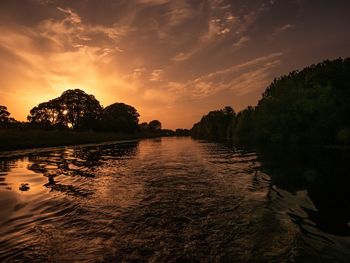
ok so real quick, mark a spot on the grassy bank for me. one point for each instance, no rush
(26, 139)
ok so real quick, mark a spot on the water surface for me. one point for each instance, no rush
(174, 200)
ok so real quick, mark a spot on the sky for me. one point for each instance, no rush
(173, 60)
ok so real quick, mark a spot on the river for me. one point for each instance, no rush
(174, 200)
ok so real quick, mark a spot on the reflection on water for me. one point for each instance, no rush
(174, 200)
(315, 195)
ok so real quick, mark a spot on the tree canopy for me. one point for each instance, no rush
(154, 125)
(73, 109)
(307, 106)
(119, 117)
(215, 125)
(4, 114)
(5, 119)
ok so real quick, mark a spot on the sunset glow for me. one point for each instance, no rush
(171, 60)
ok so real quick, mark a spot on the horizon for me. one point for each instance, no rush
(172, 60)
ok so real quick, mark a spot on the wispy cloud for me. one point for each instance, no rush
(156, 75)
(153, 2)
(71, 31)
(239, 79)
(221, 24)
(282, 29)
(241, 41)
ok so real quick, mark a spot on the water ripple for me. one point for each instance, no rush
(161, 200)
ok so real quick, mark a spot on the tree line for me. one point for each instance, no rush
(311, 106)
(79, 111)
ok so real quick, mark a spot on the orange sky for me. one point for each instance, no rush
(173, 60)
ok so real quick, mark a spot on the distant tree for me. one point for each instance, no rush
(244, 125)
(119, 117)
(165, 132)
(5, 120)
(143, 126)
(73, 109)
(215, 125)
(182, 132)
(4, 114)
(307, 106)
(154, 126)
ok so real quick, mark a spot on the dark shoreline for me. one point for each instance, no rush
(14, 140)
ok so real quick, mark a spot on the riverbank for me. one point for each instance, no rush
(27, 139)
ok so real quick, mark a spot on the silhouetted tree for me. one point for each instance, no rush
(73, 109)
(5, 120)
(143, 126)
(4, 114)
(215, 125)
(307, 106)
(165, 132)
(182, 132)
(119, 117)
(154, 126)
(47, 114)
(80, 110)
(244, 125)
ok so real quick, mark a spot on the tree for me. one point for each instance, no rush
(47, 114)
(215, 125)
(73, 109)
(155, 125)
(5, 120)
(4, 114)
(182, 132)
(244, 126)
(307, 106)
(79, 110)
(143, 126)
(119, 117)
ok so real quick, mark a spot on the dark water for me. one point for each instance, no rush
(175, 200)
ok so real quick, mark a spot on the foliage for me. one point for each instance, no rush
(119, 117)
(154, 126)
(73, 109)
(182, 132)
(4, 114)
(244, 125)
(5, 120)
(308, 106)
(143, 126)
(215, 125)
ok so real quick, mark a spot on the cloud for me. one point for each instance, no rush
(182, 56)
(73, 17)
(156, 75)
(241, 41)
(281, 30)
(284, 28)
(242, 78)
(238, 80)
(70, 31)
(222, 24)
(178, 13)
(153, 2)
(59, 54)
